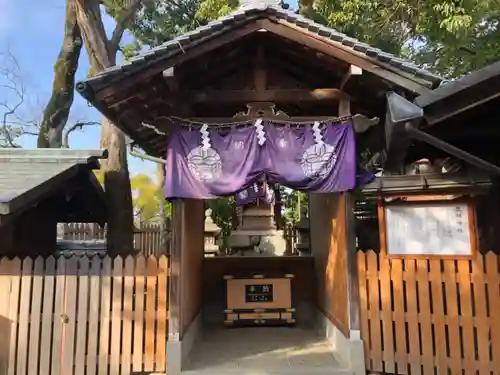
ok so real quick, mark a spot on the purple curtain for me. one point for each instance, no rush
(296, 160)
(210, 162)
(257, 191)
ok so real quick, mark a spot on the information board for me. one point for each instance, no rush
(428, 229)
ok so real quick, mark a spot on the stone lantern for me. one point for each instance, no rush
(302, 227)
(212, 232)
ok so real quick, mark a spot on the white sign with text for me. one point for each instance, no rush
(428, 229)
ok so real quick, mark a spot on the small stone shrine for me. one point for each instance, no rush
(212, 232)
(256, 233)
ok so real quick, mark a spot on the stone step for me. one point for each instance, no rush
(263, 351)
(268, 371)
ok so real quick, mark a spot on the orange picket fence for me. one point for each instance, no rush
(83, 316)
(430, 316)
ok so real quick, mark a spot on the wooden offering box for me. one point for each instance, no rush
(259, 301)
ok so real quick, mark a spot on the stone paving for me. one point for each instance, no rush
(262, 351)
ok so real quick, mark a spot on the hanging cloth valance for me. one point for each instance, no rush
(209, 162)
(258, 191)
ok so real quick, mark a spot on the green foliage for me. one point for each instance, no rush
(160, 21)
(147, 197)
(222, 213)
(465, 36)
(292, 202)
(447, 36)
(213, 9)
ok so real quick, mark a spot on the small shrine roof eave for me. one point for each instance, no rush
(427, 184)
(461, 95)
(30, 176)
(380, 60)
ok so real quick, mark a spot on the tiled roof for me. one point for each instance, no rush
(240, 16)
(23, 171)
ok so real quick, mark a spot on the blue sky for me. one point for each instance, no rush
(32, 31)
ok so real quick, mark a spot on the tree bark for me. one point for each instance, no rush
(102, 54)
(55, 115)
(161, 176)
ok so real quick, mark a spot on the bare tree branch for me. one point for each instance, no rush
(15, 90)
(121, 22)
(72, 128)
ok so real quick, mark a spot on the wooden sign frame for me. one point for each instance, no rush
(420, 201)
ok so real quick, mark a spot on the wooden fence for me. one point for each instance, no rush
(430, 316)
(149, 239)
(76, 316)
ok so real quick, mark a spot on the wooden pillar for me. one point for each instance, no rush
(352, 265)
(174, 330)
(186, 260)
(329, 250)
(350, 232)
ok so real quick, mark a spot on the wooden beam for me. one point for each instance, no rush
(344, 107)
(260, 72)
(353, 71)
(275, 96)
(315, 41)
(194, 50)
(228, 120)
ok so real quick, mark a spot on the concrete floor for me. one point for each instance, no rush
(262, 351)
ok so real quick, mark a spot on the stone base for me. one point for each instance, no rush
(179, 350)
(350, 350)
(272, 242)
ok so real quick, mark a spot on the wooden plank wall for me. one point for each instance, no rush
(83, 316)
(329, 249)
(430, 316)
(192, 255)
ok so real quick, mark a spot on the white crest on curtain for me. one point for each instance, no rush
(320, 158)
(204, 162)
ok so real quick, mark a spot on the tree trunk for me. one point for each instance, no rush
(57, 110)
(160, 175)
(102, 55)
(118, 190)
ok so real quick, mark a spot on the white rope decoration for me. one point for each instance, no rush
(155, 129)
(318, 137)
(205, 138)
(261, 134)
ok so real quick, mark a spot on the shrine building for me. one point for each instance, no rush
(264, 98)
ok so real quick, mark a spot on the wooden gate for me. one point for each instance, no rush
(76, 316)
(430, 316)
